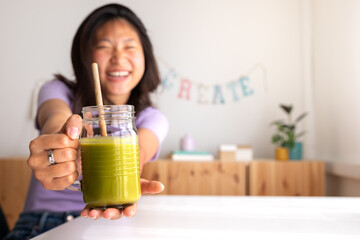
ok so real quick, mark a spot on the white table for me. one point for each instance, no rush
(215, 217)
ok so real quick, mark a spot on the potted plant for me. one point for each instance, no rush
(286, 137)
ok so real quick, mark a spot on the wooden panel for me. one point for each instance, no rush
(157, 170)
(14, 182)
(198, 178)
(232, 178)
(292, 178)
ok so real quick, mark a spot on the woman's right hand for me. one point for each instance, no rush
(65, 145)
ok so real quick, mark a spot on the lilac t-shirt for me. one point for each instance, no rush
(40, 199)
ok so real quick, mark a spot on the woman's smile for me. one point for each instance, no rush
(118, 76)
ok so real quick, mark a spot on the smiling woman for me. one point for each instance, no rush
(115, 38)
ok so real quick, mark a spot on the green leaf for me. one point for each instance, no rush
(286, 108)
(291, 140)
(299, 118)
(277, 139)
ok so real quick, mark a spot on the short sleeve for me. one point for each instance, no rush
(154, 120)
(54, 89)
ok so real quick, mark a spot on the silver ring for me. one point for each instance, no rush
(51, 157)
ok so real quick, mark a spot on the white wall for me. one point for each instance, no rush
(336, 55)
(209, 42)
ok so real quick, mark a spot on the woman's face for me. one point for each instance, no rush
(119, 54)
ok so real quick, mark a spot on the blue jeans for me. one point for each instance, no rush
(31, 224)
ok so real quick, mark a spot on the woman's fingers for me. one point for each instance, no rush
(109, 213)
(95, 213)
(73, 126)
(85, 212)
(58, 184)
(64, 155)
(60, 156)
(91, 213)
(112, 213)
(65, 171)
(151, 187)
(52, 141)
(64, 149)
(130, 210)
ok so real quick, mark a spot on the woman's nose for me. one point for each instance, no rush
(117, 56)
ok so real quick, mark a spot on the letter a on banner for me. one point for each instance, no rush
(185, 87)
(218, 96)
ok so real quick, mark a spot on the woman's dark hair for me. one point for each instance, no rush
(83, 87)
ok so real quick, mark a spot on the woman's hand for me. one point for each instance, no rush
(65, 145)
(147, 187)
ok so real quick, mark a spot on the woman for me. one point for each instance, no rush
(115, 38)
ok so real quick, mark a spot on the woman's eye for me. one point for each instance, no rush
(130, 47)
(101, 47)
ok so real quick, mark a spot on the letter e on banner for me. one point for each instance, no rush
(203, 94)
(247, 91)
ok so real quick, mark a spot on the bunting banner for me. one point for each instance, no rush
(219, 93)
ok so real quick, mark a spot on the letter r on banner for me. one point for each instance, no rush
(185, 87)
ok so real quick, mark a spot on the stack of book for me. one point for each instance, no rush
(191, 156)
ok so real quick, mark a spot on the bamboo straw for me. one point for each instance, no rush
(99, 101)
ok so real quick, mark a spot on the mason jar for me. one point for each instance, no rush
(110, 156)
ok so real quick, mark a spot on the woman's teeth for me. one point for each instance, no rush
(118, 74)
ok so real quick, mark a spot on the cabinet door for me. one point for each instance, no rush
(14, 182)
(272, 178)
(198, 178)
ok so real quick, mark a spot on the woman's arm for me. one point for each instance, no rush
(148, 145)
(52, 115)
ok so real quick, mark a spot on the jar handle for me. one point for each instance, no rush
(76, 186)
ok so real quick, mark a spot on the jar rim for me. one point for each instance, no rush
(119, 108)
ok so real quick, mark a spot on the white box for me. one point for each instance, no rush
(244, 153)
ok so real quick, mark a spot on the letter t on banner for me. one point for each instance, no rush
(185, 87)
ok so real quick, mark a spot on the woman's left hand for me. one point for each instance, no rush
(147, 187)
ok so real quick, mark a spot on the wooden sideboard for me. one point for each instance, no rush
(255, 178)
(260, 178)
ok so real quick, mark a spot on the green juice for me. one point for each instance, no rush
(110, 171)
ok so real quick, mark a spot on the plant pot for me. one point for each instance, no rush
(296, 152)
(282, 153)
